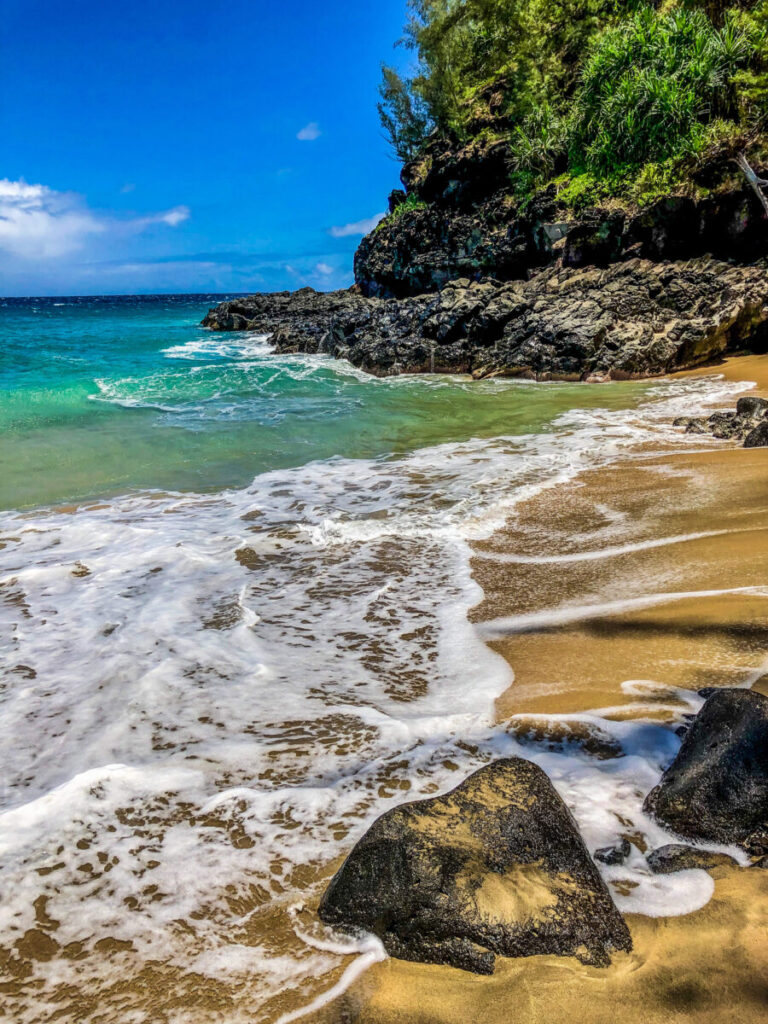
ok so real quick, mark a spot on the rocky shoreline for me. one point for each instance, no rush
(629, 320)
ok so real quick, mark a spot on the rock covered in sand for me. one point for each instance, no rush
(496, 866)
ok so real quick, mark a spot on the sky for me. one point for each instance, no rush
(190, 145)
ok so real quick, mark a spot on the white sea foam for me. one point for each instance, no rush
(207, 692)
(568, 614)
(224, 346)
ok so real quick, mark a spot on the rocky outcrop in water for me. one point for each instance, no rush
(299, 319)
(631, 319)
(497, 866)
(716, 789)
(461, 277)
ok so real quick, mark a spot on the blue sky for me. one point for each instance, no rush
(190, 145)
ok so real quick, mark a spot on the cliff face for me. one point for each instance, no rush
(462, 278)
(465, 223)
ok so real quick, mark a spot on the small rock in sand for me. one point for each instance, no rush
(614, 854)
(678, 857)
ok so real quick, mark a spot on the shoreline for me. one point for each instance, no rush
(689, 524)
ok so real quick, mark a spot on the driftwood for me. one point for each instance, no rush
(757, 184)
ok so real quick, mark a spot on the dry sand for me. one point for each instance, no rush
(708, 966)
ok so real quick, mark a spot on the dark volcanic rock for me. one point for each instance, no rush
(302, 317)
(631, 319)
(758, 436)
(614, 854)
(677, 857)
(596, 240)
(473, 227)
(716, 789)
(497, 866)
(748, 423)
(750, 405)
(422, 249)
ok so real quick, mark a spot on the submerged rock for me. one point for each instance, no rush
(496, 866)
(716, 789)
(678, 857)
(616, 854)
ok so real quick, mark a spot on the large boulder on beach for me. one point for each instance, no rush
(496, 866)
(716, 789)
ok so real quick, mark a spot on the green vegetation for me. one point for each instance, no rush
(410, 203)
(603, 96)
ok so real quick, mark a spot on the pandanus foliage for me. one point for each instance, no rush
(651, 84)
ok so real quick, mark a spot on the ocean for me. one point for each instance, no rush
(234, 597)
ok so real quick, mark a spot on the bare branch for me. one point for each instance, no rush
(753, 180)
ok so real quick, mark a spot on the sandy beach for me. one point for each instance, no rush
(657, 566)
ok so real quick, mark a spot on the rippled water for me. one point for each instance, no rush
(233, 615)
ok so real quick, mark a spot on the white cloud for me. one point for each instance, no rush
(172, 218)
(324, 269)
(309, 132)
(128, 187)
(37, 222)
(358, 227)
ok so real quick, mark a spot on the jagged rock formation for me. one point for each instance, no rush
(305, 314)
(461, 278)
(472, 227)
(716, 789)
(497, 866)
(630, 319)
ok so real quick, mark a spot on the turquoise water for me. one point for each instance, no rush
(99, 396)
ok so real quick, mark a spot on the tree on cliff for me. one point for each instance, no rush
(598, 86)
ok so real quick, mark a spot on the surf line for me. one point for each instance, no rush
(613, 552)
(533, 621)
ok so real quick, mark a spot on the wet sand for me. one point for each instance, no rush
(655, 569)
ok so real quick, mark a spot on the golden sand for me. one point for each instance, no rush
(702, 629)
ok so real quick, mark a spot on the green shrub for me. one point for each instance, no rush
(538, 143)
(651, 85)
(410, 203)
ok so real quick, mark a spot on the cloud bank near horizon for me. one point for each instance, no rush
(40, 223)
(54, 242)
